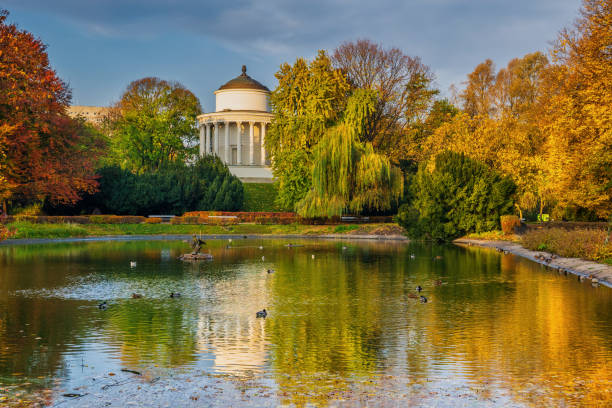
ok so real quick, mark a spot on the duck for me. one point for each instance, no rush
(175, 294)
(270, 270)
(412, 256)
(261, 313)
(423, 299)
(344, 248)
(419, 288)
(136, 296)
(103, 305)
(263, 258)
(506, 252)
(260, 247)
(313, 257)
(132, 264)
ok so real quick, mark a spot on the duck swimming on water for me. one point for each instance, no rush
(261, 313)
(102, 306)
(423, 299)
(419, 288)
(175, 294)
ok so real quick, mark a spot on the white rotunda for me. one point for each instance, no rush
(236, 131)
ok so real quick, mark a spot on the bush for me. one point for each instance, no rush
(260, 197)
(153, 220)
(509, 223)
(578, 243)
(204, 185)
(460, 195)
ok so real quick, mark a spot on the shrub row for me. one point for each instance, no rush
(195, 220)
(569, 225)
(78, 219)
(243, 216)
(285, 218)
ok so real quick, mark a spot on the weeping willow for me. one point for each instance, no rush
(348, 176)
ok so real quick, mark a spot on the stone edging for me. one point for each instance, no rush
(593, 271)
(161, 237)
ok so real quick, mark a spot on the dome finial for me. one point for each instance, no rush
(244, 70)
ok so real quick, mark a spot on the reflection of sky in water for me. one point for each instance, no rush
(497, 327)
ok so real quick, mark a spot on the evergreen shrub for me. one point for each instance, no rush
(453, 196)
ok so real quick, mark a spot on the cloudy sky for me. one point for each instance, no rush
(99, 46)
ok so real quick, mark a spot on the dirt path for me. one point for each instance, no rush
(588, 270)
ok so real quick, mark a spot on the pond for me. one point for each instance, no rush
(345, 326)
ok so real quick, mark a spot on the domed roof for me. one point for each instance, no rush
(243, 81)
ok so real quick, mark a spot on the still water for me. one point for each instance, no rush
(344, 325)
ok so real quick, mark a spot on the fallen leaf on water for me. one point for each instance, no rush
(111, 374)
(17, 374)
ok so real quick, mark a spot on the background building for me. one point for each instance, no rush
(236, 131)
(92, 114)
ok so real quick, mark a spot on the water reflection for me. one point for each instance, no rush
(342, 323)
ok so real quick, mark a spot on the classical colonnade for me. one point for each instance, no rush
(216, 138)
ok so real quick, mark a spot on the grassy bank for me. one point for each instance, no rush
(578, 243)
(24, 230)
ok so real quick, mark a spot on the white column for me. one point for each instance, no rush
(202, 147)
(227, 147)
(251, 156)
(208, 138)
(216, 144)
(239, 142)
(263, 143)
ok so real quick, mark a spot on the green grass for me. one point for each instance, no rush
(260, 197)
(345, 228)
(29, 230)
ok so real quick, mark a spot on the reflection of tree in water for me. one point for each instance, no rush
(525, 330)
(37, 349)
(328, 323)
(159, 332)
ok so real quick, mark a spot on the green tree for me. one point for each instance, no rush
(455, 195)
(347, 174)
(403, 85)
(308, 100)
(153, 124)
(176, 188)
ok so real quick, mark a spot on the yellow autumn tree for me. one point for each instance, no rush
(578, 118)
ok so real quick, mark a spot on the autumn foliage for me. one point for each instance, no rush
(44, 154)
(545, 121)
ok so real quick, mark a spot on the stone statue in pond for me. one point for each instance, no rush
(196, 244)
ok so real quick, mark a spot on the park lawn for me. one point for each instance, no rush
(25, 230)
(260, 197)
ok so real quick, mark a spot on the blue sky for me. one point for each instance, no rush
(98, 47)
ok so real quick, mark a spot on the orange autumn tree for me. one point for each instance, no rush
(44, 154)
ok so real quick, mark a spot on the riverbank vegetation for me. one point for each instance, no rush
(591, 244)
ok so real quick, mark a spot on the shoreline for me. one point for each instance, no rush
(176, 237)
(585, 270)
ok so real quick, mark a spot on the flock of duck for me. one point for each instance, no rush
(263, 313)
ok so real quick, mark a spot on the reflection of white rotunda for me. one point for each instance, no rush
(236, 131)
